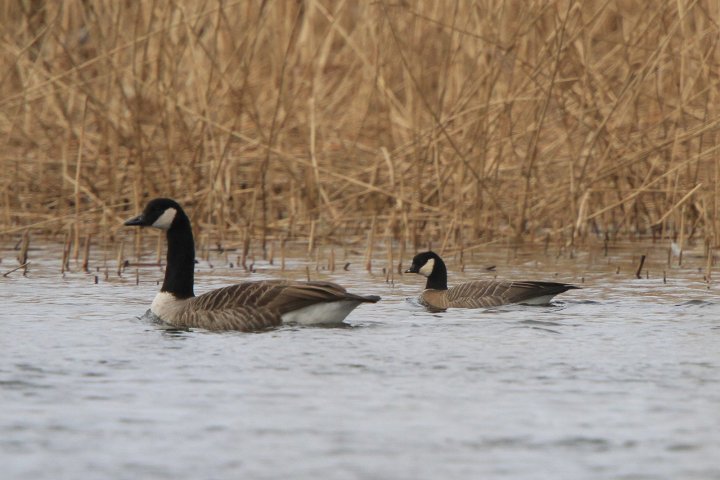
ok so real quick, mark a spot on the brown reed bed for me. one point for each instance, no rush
(446, 123)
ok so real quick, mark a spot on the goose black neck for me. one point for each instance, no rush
(438, 277)
(180, 258)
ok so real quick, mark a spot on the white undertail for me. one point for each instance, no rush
(543, 300)
(321, 313)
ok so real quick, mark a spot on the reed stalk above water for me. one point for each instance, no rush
(561, 120)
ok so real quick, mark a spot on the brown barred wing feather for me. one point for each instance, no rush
(251, 306)
(479, 294)
(243, 319)
(245, 307)
(491, 293)
(297, 295)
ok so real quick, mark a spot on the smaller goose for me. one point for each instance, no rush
(247, 306)
(478, 293)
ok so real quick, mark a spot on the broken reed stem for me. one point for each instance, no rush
(282, 254)
(390, 275)
(23, 253)
(106, 251)
(24, 266)
(78, 167)
(681, 236)
(401, 255)
(640, 266)
(331, 260)
(311, 239)
(205, 246)
(461, 243)
(120, 258)
(137, 244)
(66, 253)
(245, 249)
(708, 264)
(369, 249)
(86, 254)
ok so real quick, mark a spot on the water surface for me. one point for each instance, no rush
(619, 380)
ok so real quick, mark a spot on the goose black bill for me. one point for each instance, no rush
(138, 221)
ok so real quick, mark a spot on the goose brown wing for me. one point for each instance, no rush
(244, 306)
(253, 306)
(297, 295)
(246, 294)
(478, 294)
(243, 319)
(491, 293)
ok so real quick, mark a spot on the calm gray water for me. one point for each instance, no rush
(619, 380)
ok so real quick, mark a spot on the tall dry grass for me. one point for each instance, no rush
(449, 122)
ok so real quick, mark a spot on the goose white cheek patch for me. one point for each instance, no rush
(427, 268)
(165, 220)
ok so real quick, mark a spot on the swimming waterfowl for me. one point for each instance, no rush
(247, 306)
(478, 293)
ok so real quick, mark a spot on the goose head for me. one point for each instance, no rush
(430, 265)
(159, 213)
(425, 263)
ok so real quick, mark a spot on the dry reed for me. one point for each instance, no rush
(638, 271)
(471, 122)
(22, 257)
(86, 254)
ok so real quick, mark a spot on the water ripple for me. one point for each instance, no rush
(617, 380)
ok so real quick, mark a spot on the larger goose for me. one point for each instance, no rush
(478, 293)
(247, 306)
